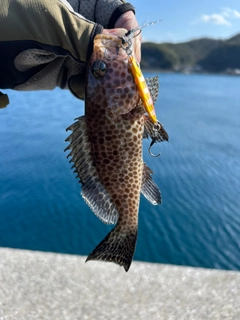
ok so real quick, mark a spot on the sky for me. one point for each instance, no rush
(183, 20)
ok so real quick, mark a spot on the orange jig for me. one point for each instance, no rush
(142, 88)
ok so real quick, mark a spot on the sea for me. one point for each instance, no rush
(198, 172)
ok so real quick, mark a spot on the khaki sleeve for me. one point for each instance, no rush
(104, 12)
(42, 43)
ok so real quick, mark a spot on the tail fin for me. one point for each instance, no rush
(117, 246)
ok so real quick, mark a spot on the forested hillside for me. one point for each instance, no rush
(202, 55)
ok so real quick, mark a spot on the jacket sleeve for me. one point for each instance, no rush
(43, 43)
(104, 12)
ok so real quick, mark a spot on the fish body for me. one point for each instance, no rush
(106, 149)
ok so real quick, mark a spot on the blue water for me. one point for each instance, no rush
(198, 172)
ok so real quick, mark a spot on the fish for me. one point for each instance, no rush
(106, 149)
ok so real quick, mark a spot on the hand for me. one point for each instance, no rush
(128, 21)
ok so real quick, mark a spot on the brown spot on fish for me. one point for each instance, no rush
(114, 65)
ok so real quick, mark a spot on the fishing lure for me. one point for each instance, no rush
(137, 73)
(139, 79)
(142, 88)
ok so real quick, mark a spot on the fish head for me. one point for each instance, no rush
(110, 85)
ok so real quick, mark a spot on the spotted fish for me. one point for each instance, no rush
(106, 149)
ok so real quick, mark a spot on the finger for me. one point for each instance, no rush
(118, 32)
(129, 22)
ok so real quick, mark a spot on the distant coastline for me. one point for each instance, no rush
(195, 56)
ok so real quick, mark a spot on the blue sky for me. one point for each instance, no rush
(183, 20)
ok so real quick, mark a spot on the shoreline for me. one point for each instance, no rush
(191, 72)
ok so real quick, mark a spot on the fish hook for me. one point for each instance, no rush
(156, 129)
(149, 149)
(127, 40)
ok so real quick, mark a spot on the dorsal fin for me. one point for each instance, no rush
(93, 192)
(149, 188)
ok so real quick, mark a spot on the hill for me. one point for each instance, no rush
(196, 55)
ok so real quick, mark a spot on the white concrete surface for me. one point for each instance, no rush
(37, 285)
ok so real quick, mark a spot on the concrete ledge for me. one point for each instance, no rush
(37, 285)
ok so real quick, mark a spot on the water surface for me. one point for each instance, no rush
(198, 172)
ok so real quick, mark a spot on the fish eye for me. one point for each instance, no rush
(99, 69)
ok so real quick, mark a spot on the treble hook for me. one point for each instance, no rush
(149, 149)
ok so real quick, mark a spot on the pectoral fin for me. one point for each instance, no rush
(149, 188)
(149, 130)
(159, 134)
(93, 192)
(153, 86)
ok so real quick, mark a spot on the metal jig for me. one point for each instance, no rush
(140, 80)
(137, 73)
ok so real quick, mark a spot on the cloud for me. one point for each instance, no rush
(222, 18)
(230, 13)
(215, 19)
